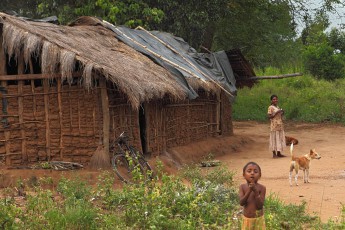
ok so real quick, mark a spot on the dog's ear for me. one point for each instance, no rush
(312, 150)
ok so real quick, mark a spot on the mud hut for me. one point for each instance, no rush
(67, 89)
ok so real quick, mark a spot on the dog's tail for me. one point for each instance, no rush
(291, 150)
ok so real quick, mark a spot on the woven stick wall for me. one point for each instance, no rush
(49, 125)
(171, 124)
(123, 118)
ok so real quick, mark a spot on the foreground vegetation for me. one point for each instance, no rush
(209, 202)
(303, 98)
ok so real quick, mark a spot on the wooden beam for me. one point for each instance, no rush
(38, 76)
(46, 112)
(21, 69)
(106, 115)
(3, 71)
(60, 116)
(218, 111)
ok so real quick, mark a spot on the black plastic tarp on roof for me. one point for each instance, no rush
(174, 54)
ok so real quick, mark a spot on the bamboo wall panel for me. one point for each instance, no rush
(191, 121)
(73, 120)
(226, 115)
(123, 118)
(80, 131)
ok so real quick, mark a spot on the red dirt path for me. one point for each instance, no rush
(324, 195)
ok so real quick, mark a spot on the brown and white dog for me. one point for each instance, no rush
(301, 163)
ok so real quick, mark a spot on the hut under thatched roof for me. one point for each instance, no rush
(67, 89)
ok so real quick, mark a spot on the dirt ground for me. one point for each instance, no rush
(325, 192)
(323, 195)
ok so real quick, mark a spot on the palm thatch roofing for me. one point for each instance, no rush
(98, 52)
(95, 48)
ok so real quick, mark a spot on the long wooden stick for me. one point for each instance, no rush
(21, 70)
(272, 77)
(3, 71)
(60, 115)
(46, 112)
(106, 115)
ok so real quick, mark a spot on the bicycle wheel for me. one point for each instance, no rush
(145, 168)
(122, 168)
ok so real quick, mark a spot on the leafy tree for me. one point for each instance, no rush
(336, 39)
(193, 20)
(132, 13)
(25, 8)
(323, 56)
(313, 33)
(262, 29)
(321, 61)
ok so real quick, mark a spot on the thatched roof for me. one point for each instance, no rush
(96, 49)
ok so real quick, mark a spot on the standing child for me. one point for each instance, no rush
(277, 134)
(252, 198)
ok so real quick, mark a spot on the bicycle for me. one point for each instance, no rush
(128, 163)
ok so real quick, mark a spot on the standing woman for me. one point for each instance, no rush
(277, 135)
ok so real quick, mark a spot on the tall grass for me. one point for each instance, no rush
(303, 98)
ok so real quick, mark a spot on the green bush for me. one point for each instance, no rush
(210, 201)
(323, 63)
(303, 98)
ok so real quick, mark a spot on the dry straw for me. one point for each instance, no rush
(100, 159)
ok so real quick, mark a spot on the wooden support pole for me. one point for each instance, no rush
(164, 123)
(106, 115)
(70, 110)
(46, 110)
(188, 120)
(21, 69)
(3, 71)
(32, 82)
(78, 110)
(218, 113)
(60, 116)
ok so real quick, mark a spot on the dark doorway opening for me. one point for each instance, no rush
(142, 125)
